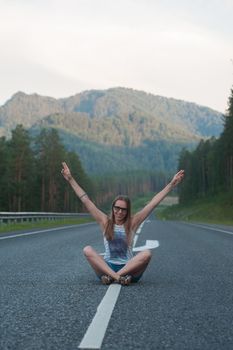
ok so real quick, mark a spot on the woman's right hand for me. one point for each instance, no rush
(66, 171)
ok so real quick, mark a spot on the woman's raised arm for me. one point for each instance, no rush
(98, 215)
(139, 217)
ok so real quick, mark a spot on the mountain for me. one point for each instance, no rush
(116, 126)
(26, 110)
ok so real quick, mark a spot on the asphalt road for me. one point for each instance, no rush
(49, 295)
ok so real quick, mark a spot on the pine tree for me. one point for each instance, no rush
(3, 174)
(50, 154)
(70, 200)
(20, 171)
(227, 145)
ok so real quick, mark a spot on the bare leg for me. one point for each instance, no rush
(98, 264)
(137, 264)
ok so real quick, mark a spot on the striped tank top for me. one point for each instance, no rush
(117, 250)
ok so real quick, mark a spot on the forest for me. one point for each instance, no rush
(30, 173)
(209, 168)
(30, 177)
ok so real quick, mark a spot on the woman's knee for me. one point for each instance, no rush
(147, 255)
(88, 250)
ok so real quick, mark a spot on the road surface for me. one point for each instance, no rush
(49, 294)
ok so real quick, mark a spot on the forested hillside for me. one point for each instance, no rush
(117, 129)
(115, 141)
(116, 116)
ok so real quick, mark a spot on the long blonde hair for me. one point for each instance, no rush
(109, 229)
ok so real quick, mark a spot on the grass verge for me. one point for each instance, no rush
(11, 227)
(216, 210)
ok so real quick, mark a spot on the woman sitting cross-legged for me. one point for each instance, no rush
(119, 264)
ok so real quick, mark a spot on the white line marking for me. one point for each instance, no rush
(137, 233)
(150, 244)
(96, 331)
(135, 240)
(211, 228)
(41, 231)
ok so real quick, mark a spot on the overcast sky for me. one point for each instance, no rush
(174, 48)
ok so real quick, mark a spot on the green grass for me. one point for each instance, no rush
(139, 202)
(42, 224)
(216, 210)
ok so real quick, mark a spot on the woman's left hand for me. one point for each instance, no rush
(177, 178)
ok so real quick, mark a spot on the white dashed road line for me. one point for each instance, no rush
(96, 331)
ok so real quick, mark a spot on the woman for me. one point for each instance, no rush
(119, 264)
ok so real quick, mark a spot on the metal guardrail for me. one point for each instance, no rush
(15, 217)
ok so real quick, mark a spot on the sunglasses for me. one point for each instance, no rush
(117, 209)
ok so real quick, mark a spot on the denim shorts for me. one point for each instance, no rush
(117, 267)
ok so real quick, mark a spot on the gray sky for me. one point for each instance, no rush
(174, 48)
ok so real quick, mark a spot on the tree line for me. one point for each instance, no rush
(131, 183)
(30, 178)
(209, 168)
